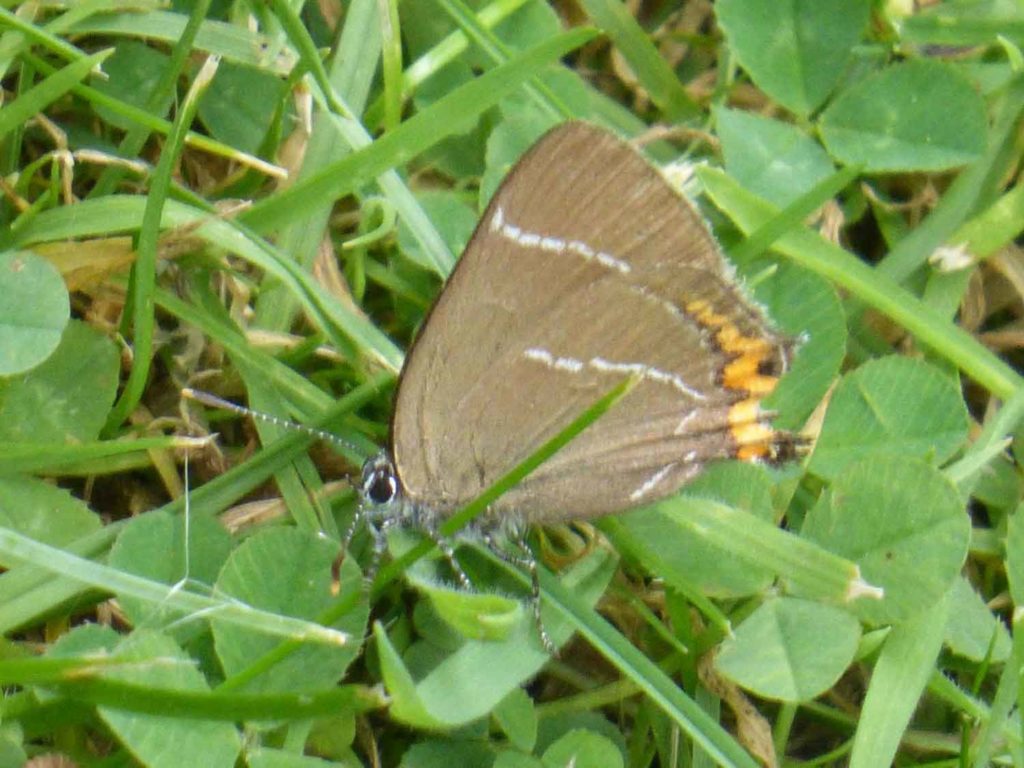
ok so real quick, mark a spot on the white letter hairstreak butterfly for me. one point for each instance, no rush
(587, 267)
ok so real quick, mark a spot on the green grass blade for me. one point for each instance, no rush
(144, 269)
(15, 548)
(653, 72)
(15, 114)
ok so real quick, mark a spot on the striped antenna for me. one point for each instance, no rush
(217, 402)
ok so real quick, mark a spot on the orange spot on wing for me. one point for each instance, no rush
(753, 452)
(749, 353)
(754, 440)
(745, 412)
(742, 374)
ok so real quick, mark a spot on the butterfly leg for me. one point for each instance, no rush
(445, 546)
(379, 531)
(525, 559)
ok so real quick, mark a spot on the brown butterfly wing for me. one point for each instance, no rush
(586, 267)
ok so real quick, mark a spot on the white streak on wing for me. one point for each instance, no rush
(612, 263)
(644, 371)
(557, 363)
(500, 226)
(651, 483)
(681, 426)
(690, 456)
(581, 249)
(498, 219)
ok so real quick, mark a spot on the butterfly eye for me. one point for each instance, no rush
(380, 486)
(382, 489)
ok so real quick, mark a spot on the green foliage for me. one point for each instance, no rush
(287, 571)
(65, 398)
(790, 650)
(917, 116)
(240, 106)
(859, 605)
(774, 159)
(914, 555)
(35, 314)
(796, 51)
(64, 518)
(891, 405)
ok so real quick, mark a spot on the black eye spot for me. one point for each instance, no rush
(768, 367)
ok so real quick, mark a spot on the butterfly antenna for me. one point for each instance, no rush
(216, 402)
(350, 532)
